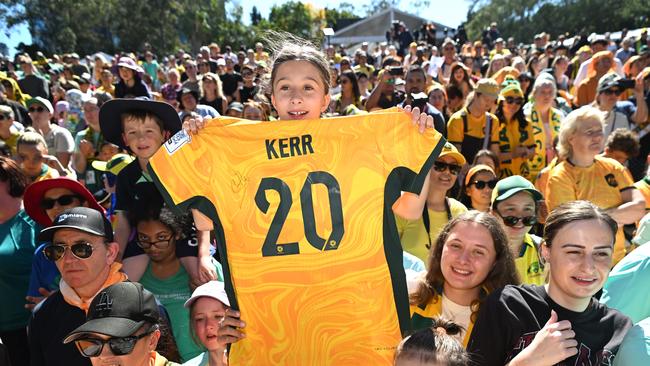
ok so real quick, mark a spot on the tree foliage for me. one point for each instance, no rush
(523, 19)
(60, 26)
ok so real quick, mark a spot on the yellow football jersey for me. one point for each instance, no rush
(601, 183)
(302, 212)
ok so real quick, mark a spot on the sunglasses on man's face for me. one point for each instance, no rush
(93, 347)
(513, 220)
(513, 100)
(618, 92)
(440, 166)
(65, 200)
(36, 109)
(54, 252)
(480, 184)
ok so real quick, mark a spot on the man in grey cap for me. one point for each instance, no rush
(621, 114)
(82, 246)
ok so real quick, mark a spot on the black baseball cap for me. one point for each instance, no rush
(110, 117)
(118, 311)
(79, 218)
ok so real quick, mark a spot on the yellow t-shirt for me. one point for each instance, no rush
(530, 270)
(601, 183)
(644, 186)
(540, 135)
(302, 213)
(475, 127)
(511, 135)
(46, 173)
(413, 234)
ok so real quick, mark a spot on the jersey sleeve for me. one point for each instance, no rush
(559, 188)
(624, 177)
(455, 129)
(182, 169)
(402, 145)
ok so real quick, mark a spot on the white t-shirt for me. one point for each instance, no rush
(459, 314)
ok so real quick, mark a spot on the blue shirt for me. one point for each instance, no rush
(626, 288)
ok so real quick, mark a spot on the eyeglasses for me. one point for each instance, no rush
(66, 199)
(55, 252)
(513, 100)
(344, 81)
(513, 220)
(4, 116)
(440, 166)
(160, 244)
(618, 92)
(119, 346)
(480, 184)
(36, 109)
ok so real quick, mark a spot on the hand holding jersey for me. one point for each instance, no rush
(554, 343)
(275, 293)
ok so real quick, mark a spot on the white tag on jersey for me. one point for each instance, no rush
(177, 141)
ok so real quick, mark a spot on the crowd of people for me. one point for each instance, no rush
(524, 243)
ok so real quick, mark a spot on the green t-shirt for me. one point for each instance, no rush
(17, 246)
(172, 292)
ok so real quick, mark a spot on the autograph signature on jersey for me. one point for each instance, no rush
(238, 182)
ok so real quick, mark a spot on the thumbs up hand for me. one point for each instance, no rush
(553, 343)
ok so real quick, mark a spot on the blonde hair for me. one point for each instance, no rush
(570, 126)
(218, 85)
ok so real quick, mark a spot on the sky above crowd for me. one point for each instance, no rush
(450, 13)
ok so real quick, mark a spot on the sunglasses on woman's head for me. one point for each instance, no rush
(513, 220)
(36, 109)
(480, 184)
(66, 199)
(440, 166)
(513, 100)
(93, 347)
(54, 252)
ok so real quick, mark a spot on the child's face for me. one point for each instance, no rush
(142, 137)
(30, 158)
(107, 151)
(298, 91)
(207, 312)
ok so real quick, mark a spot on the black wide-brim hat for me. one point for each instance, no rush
(110, 119)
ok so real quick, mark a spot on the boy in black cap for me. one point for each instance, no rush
(81, 245)
(142, 126)
(121, 328)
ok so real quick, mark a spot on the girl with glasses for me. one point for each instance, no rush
(157, 232)
(514, 202)
(213, 93)
(560, 322)
(419, 230)
(516, 143)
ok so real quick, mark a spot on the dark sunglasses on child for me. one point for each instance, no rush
(480, 184)
(36, 109)
(440, 166)
(66, 199)
(513, 220)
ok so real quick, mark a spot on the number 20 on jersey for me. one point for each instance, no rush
(271, 247)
